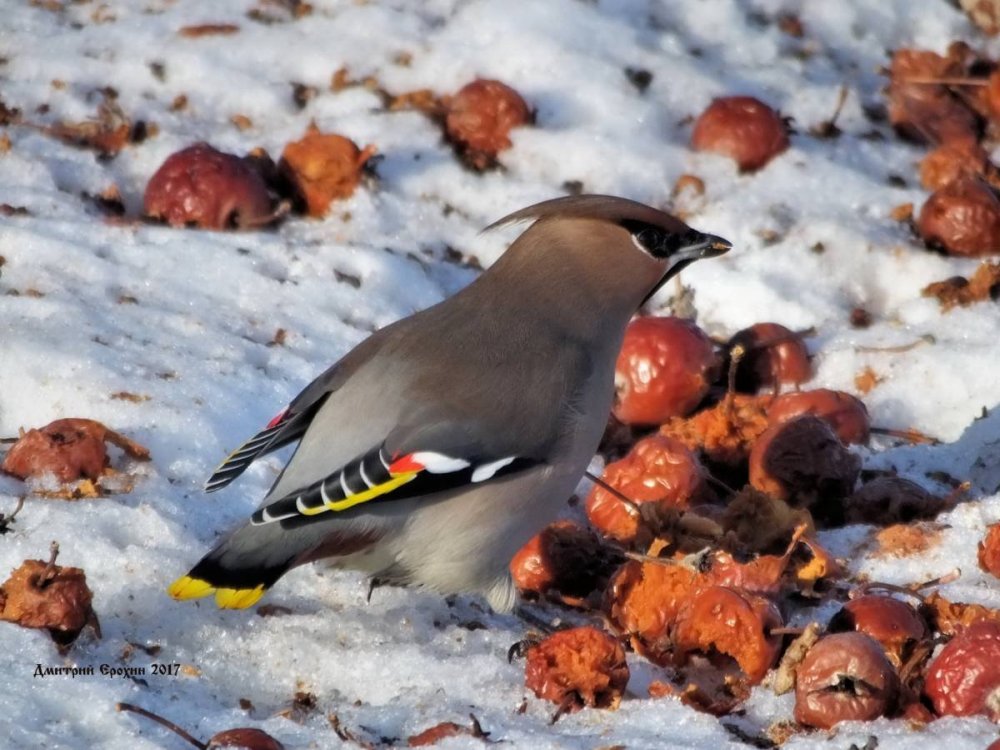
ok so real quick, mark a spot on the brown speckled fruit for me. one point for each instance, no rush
(742, 128)
(887, 500)
(664, 370)
(804, 462)
(479, 119)
(962, 219)
(949, 162)
(203, 187)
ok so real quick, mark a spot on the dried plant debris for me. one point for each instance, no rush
(958, 291)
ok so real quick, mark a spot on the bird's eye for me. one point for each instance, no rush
(658, 242)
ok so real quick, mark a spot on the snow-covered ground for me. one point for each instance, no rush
(89, 309)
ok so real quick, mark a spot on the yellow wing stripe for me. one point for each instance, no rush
(371, 493)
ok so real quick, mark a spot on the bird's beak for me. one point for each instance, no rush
(704, 246)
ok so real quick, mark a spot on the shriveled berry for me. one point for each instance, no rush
(323, 167)
(565, 558)
(887, 500)
(962, 218)
(923, 112)
(844, 677)
(804, 462)
(644, 599)
(989, 551)
(953, 160)
(244, 737)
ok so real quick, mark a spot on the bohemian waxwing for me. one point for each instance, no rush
(434, 449)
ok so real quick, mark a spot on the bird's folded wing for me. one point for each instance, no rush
(379, 475)
(285, 428)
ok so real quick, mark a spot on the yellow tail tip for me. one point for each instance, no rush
(187, 587)
(238, 598)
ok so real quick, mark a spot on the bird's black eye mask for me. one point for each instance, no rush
(659, 242)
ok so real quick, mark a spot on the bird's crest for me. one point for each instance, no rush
(607, 207)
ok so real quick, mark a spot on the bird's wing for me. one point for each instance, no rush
(383, 474)
(292, 422)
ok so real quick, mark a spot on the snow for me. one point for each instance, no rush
(207, 306)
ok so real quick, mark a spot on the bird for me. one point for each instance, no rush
(432, 451)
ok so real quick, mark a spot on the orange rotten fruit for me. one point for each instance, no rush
(565, 558)
(962, 219)
(48, 596)
(731, 622)
(773, 355)
(844, 677)
(643, 600)
(664, 370)
(203, 187)
(743, 128)
(70, 449)
(963, 679)
(725, 432)
(576, 668)
(846, 414)
(659, 470)
(989, 551)
(323, 167)
(479, 118)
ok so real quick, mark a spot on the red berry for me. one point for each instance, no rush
(964, 678)
(772, 355)
(664, 370)
(206, 188)
(479, 118)
(742, 128)
(962, 218)
(846, 414)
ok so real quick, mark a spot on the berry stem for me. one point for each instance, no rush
(162, 722)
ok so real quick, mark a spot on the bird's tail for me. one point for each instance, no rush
(249, 561)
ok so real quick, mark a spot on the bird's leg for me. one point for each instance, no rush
(375, 582)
